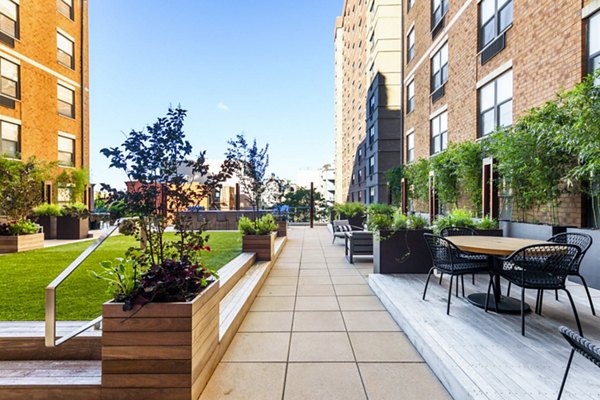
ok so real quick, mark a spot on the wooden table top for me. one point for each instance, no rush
(497, 246)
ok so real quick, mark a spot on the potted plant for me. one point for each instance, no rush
(73, 223)
(354, 212)
(259, 236)
(46, 216)
(462, 218)
(399, 246)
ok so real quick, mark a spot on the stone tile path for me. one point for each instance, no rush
(316, 331)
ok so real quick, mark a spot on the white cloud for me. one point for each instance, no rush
(222, 106)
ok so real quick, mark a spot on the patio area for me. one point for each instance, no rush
(316, 331)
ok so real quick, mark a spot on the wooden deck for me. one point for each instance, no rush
(480, 355)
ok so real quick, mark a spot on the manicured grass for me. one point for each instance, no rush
(24, 276)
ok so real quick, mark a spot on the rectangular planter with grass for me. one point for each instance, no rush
(49, 223)
(401, 252)
(262, 245)
(72, 228)
(162, 350)
(17, 244)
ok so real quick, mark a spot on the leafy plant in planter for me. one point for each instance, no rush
(258, 236)
(47, 210)
(350, 209)
(459, 218)
(22, 227)
(394, 180)
(46, 215)
(73, 222)
(487, 224)
(75, 210)
(262, 226)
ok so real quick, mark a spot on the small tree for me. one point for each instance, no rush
(394, 177)
(468, 157)
(299, 201)
(446, 178)
(251, 164)
(417, 175)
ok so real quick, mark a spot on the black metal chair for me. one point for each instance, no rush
(448, 259)
(582, 346)
(463, 231)
(358, 244)
(540, 267)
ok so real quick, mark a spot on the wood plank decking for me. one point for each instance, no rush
(480, 355)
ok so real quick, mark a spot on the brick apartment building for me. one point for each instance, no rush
(368, 90)
(470, 66)
(44, 96)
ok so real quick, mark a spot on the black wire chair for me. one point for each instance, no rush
(540, 267)
(448, 259)
(582, 346)
(463, 231)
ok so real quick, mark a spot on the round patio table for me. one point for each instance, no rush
(493, 247)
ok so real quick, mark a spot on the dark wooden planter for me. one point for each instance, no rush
(17, 244)
(530, 231)
(49, 224)
(401, 252)
(72, 228)
(357, 220)
(282, 228)
(163, 350)
(262, 245)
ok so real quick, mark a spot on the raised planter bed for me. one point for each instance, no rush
(163, 350)
(401, 252)
(262, 245)
(589, 265)
(530, 231)
(72, 228)
(282, 227)
(17, 244)
(49, 224)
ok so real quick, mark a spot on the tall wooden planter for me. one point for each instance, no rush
(401, 252)
(72, 228)
(49, 224)
(262, 245)
(17, 244)
(161, 351)
(282, 228)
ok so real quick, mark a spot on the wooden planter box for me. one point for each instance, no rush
(17, 244)
(163, 350)
(49, 224)
(262, 245)
(401, 252)
(72, 228)
(282, 228)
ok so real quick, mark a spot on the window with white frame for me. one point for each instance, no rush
(594, 43)
(410, 45)
(371, 105)
(494, 17)
(372, 195)
(410, 147)
(66, 101)
(66, 151)
(65, 7)
(439, 68)
(371, 165)
(9, 18)
(10, 146)
(9, 75)
(495, 104)
(439, 8)
(372, 135)
(410, 4)
(439, 133)
(410, 97)
(66, 50)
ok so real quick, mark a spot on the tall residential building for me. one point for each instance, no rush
(368, 121)
(471, 66)
(44, 95)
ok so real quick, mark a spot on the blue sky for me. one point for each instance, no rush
(262, 67)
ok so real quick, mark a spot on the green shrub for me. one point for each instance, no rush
(417, 175)
(47, 210)
(350, 209)
(380, 217)
(417, 221)
(21, 227)
(400, 220)
(487, 223)
(75, 210)
(262, 226)
(459, 218)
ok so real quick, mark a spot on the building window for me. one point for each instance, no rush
(9, 74)
(494, 17)
(594, 44)
(360, 154)
(66, 151)
(371, 165)
(360, 175)
(410, 53)
(11, 143)
(439, 8)
(65, 7)
(372, 195)
(410, 97)
(495, 104)
(372, 105)
(410, 147)
(360, 196)
(372, 135)
(410, 4)
(439, 133)
(353, 180)
(66, 101)
(439, 68)
(65, 50)
(9, 18)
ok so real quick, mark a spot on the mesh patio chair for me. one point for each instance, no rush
(539, 267)
(580, 345)
(463, 231)
(448, 259)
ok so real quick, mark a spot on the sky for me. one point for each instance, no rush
(264, 68)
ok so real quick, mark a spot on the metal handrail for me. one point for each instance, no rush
(50, 318)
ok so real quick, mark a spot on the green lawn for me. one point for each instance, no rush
(24, 276)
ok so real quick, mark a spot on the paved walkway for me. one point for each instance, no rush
(316, 331)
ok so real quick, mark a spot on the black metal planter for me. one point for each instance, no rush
(49, 224)
(401, 252)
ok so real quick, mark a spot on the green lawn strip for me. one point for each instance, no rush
(24, 276)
